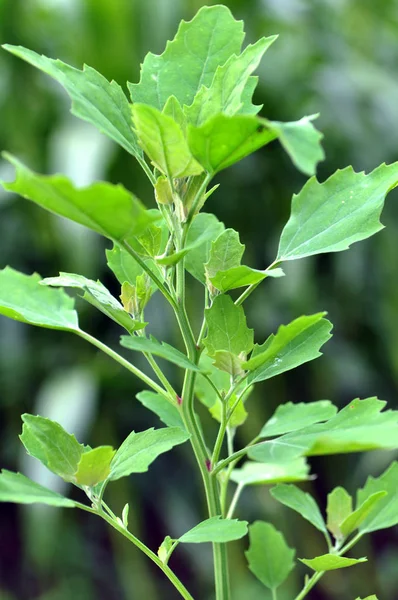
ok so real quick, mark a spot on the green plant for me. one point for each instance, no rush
(192, 116)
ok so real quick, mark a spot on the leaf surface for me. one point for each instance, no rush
(199, 253)
(354, 520)
(330, 562)
(152, 345)
(253, 473)
(217, 530)
(158, 404)
(303, 503)
(291, 417)
(15, 487)
(386, 512)
(94, 466)
(339, 507)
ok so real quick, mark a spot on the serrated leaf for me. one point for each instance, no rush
(386, 514)
(23, 299)
(190, 59)
(97, 294)
(47, 441)
(94, 466)
(94, 98)
(330, 216)
(301, 502)
(158, 404)
(330, 562)
(290, 417)
(107, 209)
(15, 487)
(139, 450)
(152, 345)
(339, 507)
(254, 473)
(354, 520)
(270, 558)
(199, 254)
(217, 530)
(292, 345)
(164, 142)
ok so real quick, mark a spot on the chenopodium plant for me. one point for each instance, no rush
(192, 116)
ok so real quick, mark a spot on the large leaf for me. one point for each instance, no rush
(163, 141)
(139, 450)
(94, 98)
(158, 404)
(15, 487)
(269, 557)
(339, 507)
(292, 345)
(23, 299)
(98, 295)
(330, 216)
(217, 530)
(107, 209)
(199, 253)
(301, 502)
(253, 473)
(386, 512)
(152, 345)
(331, 562)
(190, 59)
(290, 417)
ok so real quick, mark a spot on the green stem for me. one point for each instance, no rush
(233, 458)
(147, 170)
(246, 293)
(234, 501)
(274, 594)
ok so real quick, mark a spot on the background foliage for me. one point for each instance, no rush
(328, 60)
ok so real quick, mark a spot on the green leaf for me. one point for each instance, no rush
(123, 265)
(97, 294)
(330, 216)
(330, 562)
(217, 530)
(158, 404)
(225, 94)
(293, 344)
(105, 208)
(94, 98)
(191, 59)
(227, 330)
(301, 141)
(23, 299)
(222, 141)
(373, 597)
(386, 513)
(152, 345)
(94, 466)
(164, 549)
(339, 507)
(290, 417)
(254, 473)
(173, 109)
(15, 487)
(239, 415)
(139, 450)
(354, 520)
(237, 277)
(163, 141)
(47, 441)
(301, 502)
(199, 254)
(270, 558)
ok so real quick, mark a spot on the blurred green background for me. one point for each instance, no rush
(335, 57)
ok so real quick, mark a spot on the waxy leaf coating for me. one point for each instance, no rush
(217, 530)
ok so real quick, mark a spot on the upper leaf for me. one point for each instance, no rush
(269, 557)
(290, 417)
(23, 299)
(355, 519)
(139, 450)
(301, 502)
(199, 253)
(294, 344)
(94, 466)
(190, 59)
(330, 562)
(15, 487)
(94, 98)
(217, 530)
(329, 216)
(253, 473)
(107, 209)
(158, 404)
(339, 507)
(152, 345)
(386, 512)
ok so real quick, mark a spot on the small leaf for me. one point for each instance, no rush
(254, 473)
(386, 513)
(94, 98)
(123, 265)
(94, 466)
(330, 216)
(164, 549)
(301, 502)
(293, 345)
(290, 417)
(199, 253)
(164, 142)
(15, 487)
(354, 520)
(373, 597)
(97, 294)
(158, 404)
(237, 277)
(217, 530)
(139, 450)
(339, 507)
(331, 562)
(173, 109)
(23, 299)
(47, 441)
(153, 346)
(270, 558)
